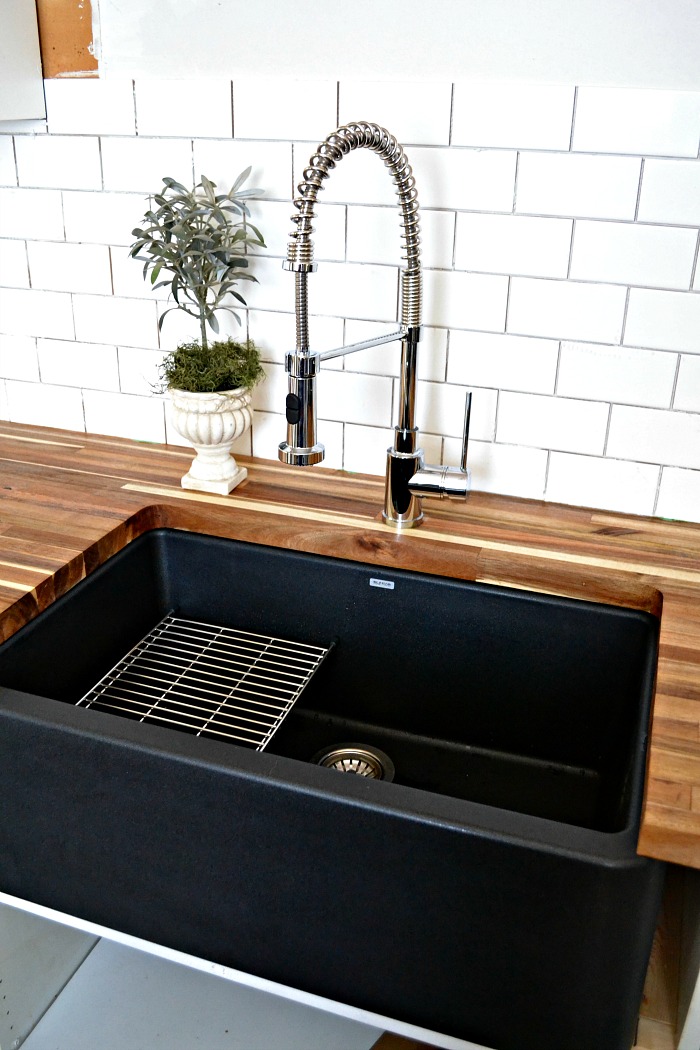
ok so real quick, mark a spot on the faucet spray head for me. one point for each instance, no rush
(301, 448)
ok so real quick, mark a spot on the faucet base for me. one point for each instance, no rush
(300, 457)
(402, 508)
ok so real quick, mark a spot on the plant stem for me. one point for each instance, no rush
(203, 326)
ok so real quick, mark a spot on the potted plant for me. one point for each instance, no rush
(199, 238)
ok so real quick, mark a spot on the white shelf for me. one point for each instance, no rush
(120, 997)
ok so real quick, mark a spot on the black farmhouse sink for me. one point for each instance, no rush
(491, 892)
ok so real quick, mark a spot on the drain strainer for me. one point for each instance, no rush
(360, 759)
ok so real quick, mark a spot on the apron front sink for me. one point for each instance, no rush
(495, 878)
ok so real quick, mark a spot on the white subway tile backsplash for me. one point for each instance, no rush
(652, 436)
(663, 320)
(392, 105)
(687, 396)
(14, 272)
(566, 309)
(633, 253)
(670, 192)
(102, 218)
(90, 107)
(223, 160)
(273, 220)
(467, 179)
(465, 300)
(631, 120)
(620, 374)
(139, 165)
(269, 429)
(35, 214)
(593, 186)
(374, 235)
(269, 395)
(8, 171)
(275, 287)
(507, 114)
(138, 369)
(118, 322)
(18, 358)
(508, 469)
(560, 423)
(124, 415)
(28, 312)
(329, 236)
(679, 494)
(440, 410)
(446, 178)
(353, 398)
(520, 284)
(274, 333)
(268, 108)
(513, 244)
(45, 405)
(183, 109)
(62, 267)
(353, 290)
(127, 276)
(67, 363)
(610, 484)
(59, 162)
(507, 362)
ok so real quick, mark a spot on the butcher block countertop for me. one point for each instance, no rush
(69, 500)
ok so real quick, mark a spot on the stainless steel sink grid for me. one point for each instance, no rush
(208, 680)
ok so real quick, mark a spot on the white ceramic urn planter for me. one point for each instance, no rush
(212, 422)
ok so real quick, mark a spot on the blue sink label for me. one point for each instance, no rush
(388, 585)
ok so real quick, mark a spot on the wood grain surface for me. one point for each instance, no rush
(68, 501)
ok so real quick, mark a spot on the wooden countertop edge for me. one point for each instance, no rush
(445, 545)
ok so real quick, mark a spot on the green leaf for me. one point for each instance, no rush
(173, 185)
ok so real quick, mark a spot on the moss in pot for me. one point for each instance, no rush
(199, 238)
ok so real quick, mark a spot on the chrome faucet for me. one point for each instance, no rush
(408, 478)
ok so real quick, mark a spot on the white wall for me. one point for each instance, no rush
(560, 231)
(635, 43)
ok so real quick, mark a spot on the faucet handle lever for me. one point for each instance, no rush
(465, 432)
(446, 482)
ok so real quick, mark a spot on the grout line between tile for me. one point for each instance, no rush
(657, 493)
(136, 112)
(573, 120)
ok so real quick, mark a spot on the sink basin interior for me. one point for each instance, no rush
(504, 697)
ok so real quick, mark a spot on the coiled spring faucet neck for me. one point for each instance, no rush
(408, 479)
(300, 251)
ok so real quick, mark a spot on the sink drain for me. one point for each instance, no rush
(360, 759)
